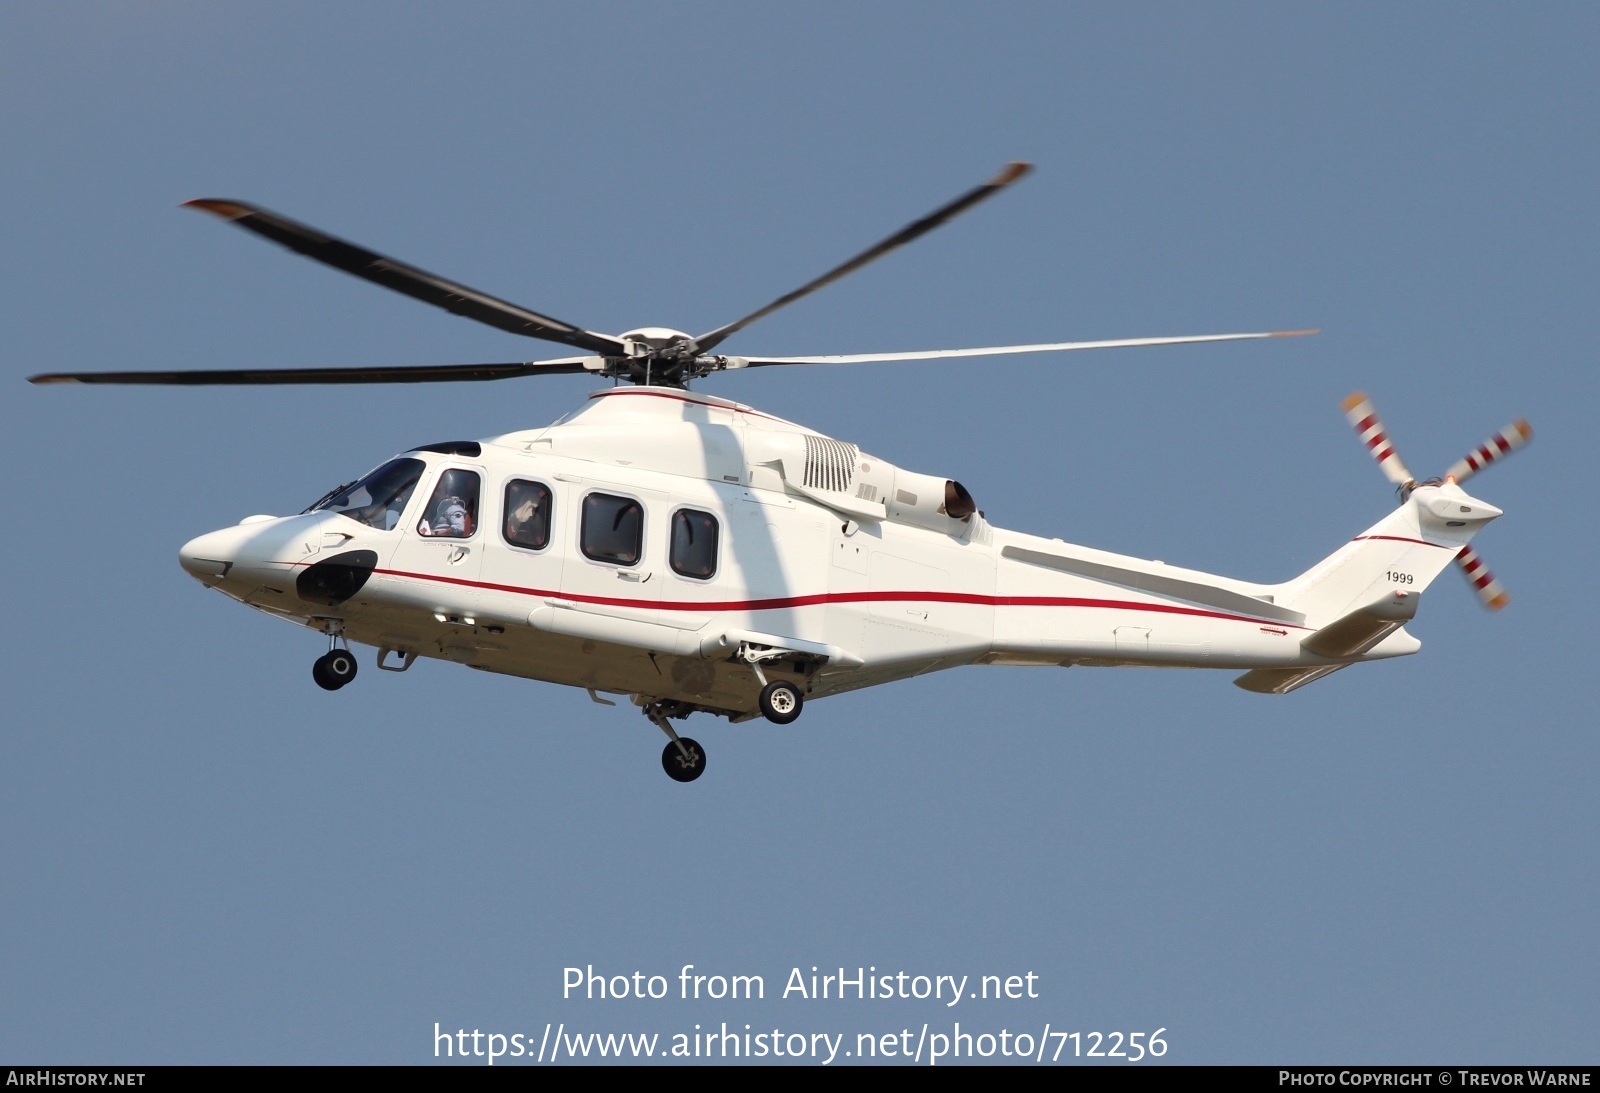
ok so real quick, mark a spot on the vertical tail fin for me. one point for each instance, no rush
(1403, 552)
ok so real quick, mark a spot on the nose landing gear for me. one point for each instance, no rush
(337, 666)
(334, 669)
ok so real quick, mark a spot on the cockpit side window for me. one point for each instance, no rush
(613, 529)
(527, 514)
(452, 511)
(379, 499)
(694, 544)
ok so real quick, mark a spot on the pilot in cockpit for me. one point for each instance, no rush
(452, 511)
(450, 518)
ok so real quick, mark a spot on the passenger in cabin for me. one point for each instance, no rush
(520, 526)
(527, 512)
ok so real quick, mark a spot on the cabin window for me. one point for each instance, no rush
(694, 544)
(452, 511)
(379, 499)
(527, 514)
(613, 529)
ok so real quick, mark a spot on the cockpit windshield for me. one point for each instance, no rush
(378, 499)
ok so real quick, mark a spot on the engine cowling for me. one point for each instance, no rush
(929, 501)
(859, 485)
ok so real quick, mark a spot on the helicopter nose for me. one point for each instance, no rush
(207, 558)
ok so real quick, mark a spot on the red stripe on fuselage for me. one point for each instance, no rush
(778, 603)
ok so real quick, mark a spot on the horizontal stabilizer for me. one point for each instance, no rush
(1356, 633)
(1280, 681)
(1363, 628)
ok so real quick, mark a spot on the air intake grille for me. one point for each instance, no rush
(830, 464)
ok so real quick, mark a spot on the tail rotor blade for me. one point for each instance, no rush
(1498, 446)
(1491, 593)
(1358, 409)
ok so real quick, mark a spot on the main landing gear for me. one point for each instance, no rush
(337, 666)
(683, 759)
(780, 700)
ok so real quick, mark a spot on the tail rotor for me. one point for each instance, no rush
(1490, 592)
(1362, 415)
(1497, 447)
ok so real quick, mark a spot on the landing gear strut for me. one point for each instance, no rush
(683, 759)
(337, 666)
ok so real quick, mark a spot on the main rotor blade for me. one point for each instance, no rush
(1012, 172)
(1361, 414)
(1497, 447)
(1003, 350)
(252, 377)
(418, 284)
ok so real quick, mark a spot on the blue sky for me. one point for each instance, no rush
(210, 860)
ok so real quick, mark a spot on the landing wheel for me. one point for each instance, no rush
(780, 702)
(681, 767)
(334, 669)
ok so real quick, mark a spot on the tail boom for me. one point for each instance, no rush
(1060, 604)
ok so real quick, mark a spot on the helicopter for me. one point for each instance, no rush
(693, 554)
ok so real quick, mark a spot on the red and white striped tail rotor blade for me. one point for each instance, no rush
(1359, 411)
(1490, 592)
(1502, 444)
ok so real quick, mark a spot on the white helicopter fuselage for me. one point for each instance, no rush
(697, 555)
(690, 549)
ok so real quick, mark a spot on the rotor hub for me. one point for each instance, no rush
(648, 341)
(658, 356)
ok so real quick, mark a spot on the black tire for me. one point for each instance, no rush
(340, 666)
(319, 672)
(780, 702)
(681, 768)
